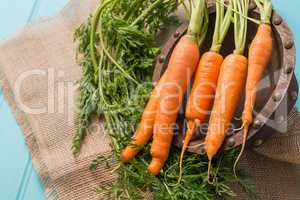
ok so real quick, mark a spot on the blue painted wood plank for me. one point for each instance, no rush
(14, 156)
(35, 189)
(49, 7)
(14, 15)
(23, 185)
(18, 179)
(15, 161)
(14, 164)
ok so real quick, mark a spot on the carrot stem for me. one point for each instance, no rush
(240, 25)
(186, 9)
(222, 25)
(199, 22)
(204, 28)
(146, 12)
(265, 8)
(93, 33)
(233, 10)
(93, 49)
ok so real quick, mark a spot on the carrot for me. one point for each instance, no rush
(230, 85)
(259, 56)
(231, 82)
(181, 66)
(200, 98)
(145, 128)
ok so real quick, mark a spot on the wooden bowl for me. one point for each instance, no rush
(277, 92)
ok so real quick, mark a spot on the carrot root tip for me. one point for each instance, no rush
(246, 128)
(209, 172)
(180, 165)
(128, 154)
(192, 125)
(155, 166)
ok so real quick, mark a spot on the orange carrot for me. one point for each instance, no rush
(231, 82)
(259, 56)
(181, 66)
(206, 78)
(201, 95)
(205, 81)
(145, 128)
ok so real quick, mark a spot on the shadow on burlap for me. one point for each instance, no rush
(38, 77)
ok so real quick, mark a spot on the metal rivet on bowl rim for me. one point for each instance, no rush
(288, 44)
(258, 142)
(161, 59)
(176, 34)
(294, 95)
(277, 96)
(277, 20)
(231, 142)
(230, 132)
(288, 69)
(257, 124)
(202, 150)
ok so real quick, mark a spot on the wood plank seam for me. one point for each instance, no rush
(23, 186)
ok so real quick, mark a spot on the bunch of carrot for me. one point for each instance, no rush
(236, 72)
(229, 75)
(200, 98)
(162, 109)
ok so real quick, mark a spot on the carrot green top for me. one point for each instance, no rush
(222, 24)
(198, 21)
(240, 24)
(265, 7)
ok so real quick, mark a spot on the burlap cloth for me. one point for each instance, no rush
(38, 77)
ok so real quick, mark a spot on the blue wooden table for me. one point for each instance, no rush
(18, 180)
